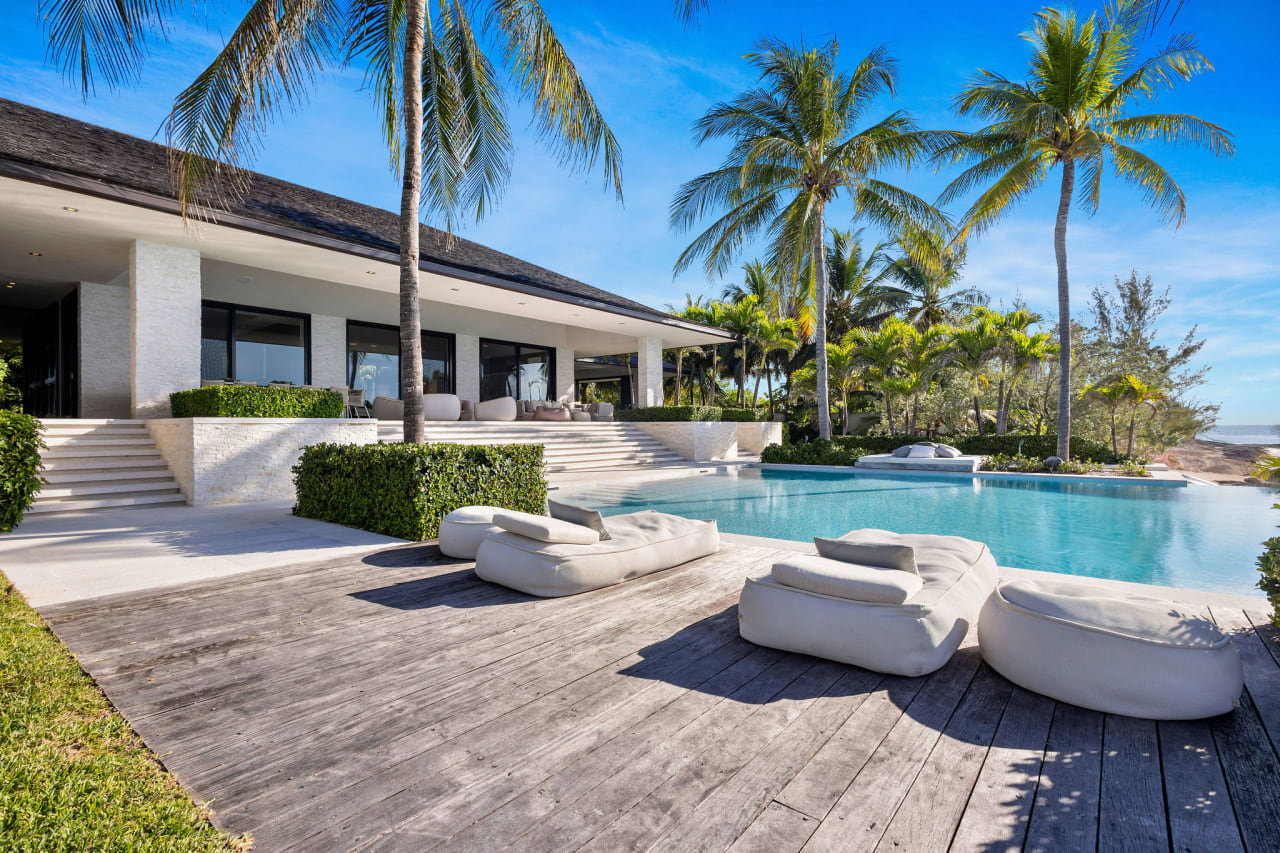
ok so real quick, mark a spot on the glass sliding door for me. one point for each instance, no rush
(373, 360)
(254, 345)
(523, 371)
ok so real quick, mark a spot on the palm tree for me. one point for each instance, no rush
(879, 351)
(1139, 394)
(1022, 354)
(796, 146)
(742, 318)
(974, 346)
(855, 293)
(691, 311)
(757, 281)
(1110, 396)
(439, 100)
(924, 354)
(845, 370)
(773, 336)
(1084, 79)
(712, 314)
(923, 279)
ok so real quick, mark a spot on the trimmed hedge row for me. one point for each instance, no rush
(1269, 583)
(405, 490)
(987, 445)
(256, 401)
(20, 446)
(688, 413)
(817, 452)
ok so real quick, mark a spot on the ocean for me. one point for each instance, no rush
(1250, 434)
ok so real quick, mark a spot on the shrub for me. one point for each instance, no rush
(20, 446)
(748, 415)
(670, 413)
(811, 453)
(1033, 465)
(404, 490)
(255, 401)
(1012, 444)
(1269, 566)
(1132, 468)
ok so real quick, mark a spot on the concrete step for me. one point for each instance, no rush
(69, 451)
(93, 475)
(97, 432)
(87, 422)
(106, 487)
(95, 462)
(98, 440)
(105, 501)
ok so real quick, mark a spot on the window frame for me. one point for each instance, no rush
(520, 347)
(450, 336)
(233, 308)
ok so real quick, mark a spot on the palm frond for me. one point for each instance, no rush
(92, 39)
(1158, 187)
(1176, 129)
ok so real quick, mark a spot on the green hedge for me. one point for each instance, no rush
(404, 490)
(1269, 566)
(20, 446)
(811, 453)
(749, 415)
(670, 413)
(1041, 446)
(256, 401)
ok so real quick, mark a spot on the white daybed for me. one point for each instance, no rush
(885, 622)
(548, 557)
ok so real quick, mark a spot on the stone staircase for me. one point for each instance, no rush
(569, 447)
(93, 464)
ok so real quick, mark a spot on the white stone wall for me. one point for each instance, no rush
(164, 325)
(564, 374)
(242, 460)
(467, 365)
(328, 350)
(648, 390)
(755, 437)
(697, 441)
(104, 351)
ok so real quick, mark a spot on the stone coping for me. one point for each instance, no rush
(990, 475)
(252, 420)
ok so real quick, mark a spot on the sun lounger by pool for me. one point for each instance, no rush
(550, 557)
(886, 619)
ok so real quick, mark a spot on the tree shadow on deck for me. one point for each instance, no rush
(453, 585)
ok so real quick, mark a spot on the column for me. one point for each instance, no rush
(466, 359)
(648, 390)
(104, 351)
(164, 325)
(564, 374)
(328, 351)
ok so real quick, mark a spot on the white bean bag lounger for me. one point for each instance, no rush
(785, 610)
(1130, 655)
(462, 530)
(640, 543)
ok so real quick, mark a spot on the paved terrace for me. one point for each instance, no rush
(393, 701)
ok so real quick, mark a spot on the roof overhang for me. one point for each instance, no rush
(107, 218)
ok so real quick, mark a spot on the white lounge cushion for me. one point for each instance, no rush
(462, 530)
(575, 514)
(946, 451)
(902, 451)
(545, 529)
(912, 638)
(441, 407)
(920, 451)
(641, 543)
(500, 409)
(846, 580)
(1119, 654)
(879, 554)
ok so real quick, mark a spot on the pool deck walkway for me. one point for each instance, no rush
(392, 701)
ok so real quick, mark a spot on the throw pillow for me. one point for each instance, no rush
(579, 515)
(900, 557)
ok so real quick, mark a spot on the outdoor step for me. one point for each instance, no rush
(107, 487)
(79, 422)
(104, 501)
(97, 441)
(66, 451)
(106, 429)
(92, 463)
(92, 475)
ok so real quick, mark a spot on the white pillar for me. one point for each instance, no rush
(466, 358)
(564, 374)
(164, 325)
(104, 351)
(648, 390)
(328, 351)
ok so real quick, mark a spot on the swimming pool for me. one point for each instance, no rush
(1199, 537)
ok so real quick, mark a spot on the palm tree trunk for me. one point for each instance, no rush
(844, 411)
(915, 413)
(410, 201)
(1133, 417)
(679, 372)
(1115, 444)
(977, 412)
(1002, 409)
(1064, 309)
(755, 392)
(820, 326)
(742, 376)
(768, 382)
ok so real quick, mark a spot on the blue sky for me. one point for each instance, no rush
(653, 79)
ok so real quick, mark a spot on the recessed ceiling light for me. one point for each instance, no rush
(11, 284)
(34, 254)
(622, 322)
(370, 272)
(454, 289)
(519, 303)
(71, 209)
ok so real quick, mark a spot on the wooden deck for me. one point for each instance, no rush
(397, 702)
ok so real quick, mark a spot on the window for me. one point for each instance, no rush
(522, 371)
(254, 345)
(373, 360)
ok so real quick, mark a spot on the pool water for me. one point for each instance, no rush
(1199, 537)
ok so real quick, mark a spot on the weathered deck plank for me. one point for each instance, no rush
(392, 701)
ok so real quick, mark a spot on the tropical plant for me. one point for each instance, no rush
(742, 319)
(844, 369)
(879, 352)
(973, 346)
(1074, 110)
(439, 98)
(796, 145)
(1020, 354)
(1139, 394)
(772, 337)
(921, 283)
(1267, 468)
(924, 353)
(1111, 397)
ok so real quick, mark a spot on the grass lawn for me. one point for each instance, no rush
(73, 775)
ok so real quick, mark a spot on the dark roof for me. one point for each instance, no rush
(70, 147)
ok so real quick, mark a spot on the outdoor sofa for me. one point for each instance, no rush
(551, 557)
(893, 603)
